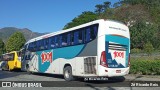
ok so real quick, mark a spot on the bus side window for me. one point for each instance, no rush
(52, 42)
(56, 41)
(80, 37)
(46, 43)
(31, 47)
(49, 43)
(71, 38)
(68, 38)
(93, 33)
(60, 41)
(64, 40)
(95, 30)
(42, 44)
(87, 35)
(35, 46)
(38, 45)
(76, 37)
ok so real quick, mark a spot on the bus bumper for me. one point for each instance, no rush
(111, 72)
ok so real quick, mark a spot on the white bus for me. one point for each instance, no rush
(99, 48)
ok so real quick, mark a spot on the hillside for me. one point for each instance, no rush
(141, 16)
(6, 32)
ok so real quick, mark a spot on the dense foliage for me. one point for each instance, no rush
(2, 47)
(15, 42)
(81, 19)
(142, 17)
(145, 67)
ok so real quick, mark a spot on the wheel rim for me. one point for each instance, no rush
(67, 73)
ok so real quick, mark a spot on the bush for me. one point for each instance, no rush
(136, 50)
(145, 67)
(148, 48)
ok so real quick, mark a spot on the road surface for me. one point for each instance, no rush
(116, 83)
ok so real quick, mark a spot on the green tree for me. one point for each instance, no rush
(148, 48)
(15, 42)
(81, 19)
(2, 47)
(142, 17)
(153, 7)
(106, 5)
(99, 8)
(142, 33)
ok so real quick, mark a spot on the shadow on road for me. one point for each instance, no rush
(8, 74)
(111, 82)
(81, 79)
(48, 75)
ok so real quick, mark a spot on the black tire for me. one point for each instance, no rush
(67, 72)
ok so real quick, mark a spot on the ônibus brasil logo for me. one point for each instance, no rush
(46, 57)
(118, 54)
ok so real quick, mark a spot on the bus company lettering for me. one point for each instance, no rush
(46, 57)
(118, 54)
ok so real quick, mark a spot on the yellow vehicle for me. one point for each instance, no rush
(11, 60)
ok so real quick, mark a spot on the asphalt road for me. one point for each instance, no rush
(116, 83)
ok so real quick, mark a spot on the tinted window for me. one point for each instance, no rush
(68, 38)
(60, 41)
(46, 43)
(64, 40)
(52, 42)
(56, 41)
(76, 37)
(42, 44)
(35, 46)
(93, 32)
(31, 46)
(71, 38)
(38, 45)
(87, 34)
(80, 36)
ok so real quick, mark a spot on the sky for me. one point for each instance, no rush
(43, 15)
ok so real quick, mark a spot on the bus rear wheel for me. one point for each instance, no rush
(67, 72)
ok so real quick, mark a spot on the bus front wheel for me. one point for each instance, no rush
(68, 73)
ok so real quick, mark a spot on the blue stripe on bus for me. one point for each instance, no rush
(65, 52)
